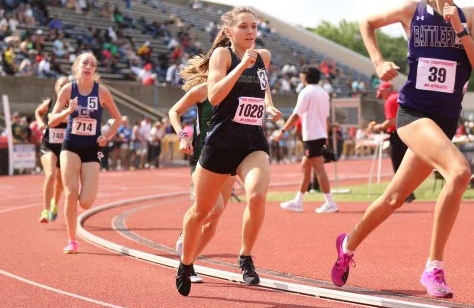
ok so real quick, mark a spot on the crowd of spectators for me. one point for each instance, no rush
(42, 53)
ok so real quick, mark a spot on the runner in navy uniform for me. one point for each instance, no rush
(80, 154)
(440, 55)
(196, 94)
(236, 144)
(50, 150)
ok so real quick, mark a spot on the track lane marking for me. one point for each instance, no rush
(42, 286)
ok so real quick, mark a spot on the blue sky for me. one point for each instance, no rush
(310, 13)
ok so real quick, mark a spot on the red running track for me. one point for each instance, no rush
(294, 247)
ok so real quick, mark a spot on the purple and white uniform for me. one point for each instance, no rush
(439, 66)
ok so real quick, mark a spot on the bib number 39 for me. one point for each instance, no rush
(436, 75)
(250, 111)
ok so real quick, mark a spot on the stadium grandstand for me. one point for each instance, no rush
(141, 45)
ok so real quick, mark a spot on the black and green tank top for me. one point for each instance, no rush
(229, 128)
(203, 123)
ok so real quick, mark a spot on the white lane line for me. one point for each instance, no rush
(11, 209)
(338, 295)
(42, 285)
(39, 285)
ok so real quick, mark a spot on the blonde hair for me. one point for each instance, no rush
(196, 71)
(192, 74)
(96, 76)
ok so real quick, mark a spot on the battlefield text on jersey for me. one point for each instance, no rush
(249, 79)
(435, 36)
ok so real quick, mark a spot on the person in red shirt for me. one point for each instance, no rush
(397, 147)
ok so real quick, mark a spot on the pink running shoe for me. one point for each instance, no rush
(71, 247)
(340, 270)
(435, 284)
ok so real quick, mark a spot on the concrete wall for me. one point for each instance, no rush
(26, 93)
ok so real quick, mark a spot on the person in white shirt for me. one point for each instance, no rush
(313, 109)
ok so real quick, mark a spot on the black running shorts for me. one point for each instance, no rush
(407, 115)
(223, 160)
(86, 154)
(48, 147)
(314, 148)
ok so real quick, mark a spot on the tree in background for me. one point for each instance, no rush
(347, 34)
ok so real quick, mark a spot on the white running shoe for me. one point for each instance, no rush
(292, 206)
(327, 208)
(194, 277)
(179, 245)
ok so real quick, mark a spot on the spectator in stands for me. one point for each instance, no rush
(134, 145)
(355, 87)
(12, 23)
(19, 131)
(55, 23)
(118, 16)
(111, 34)
(143, 138)
(27, 47)
(328, 87)
(124, 136)
(196, 4)
(70, 4)
(87, 6)
(106, 11)
(427, 118)
(145, 51)
(155, 145)
(40, 12)
(25, 69)
(172, 44)
(146, 75)
(38, 40)
(374, 81)
(4, 29)
(27, 12)
(172, 74)
(8, 60)
(44, 67)
(59, 48)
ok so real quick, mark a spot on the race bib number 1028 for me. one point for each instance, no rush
(250, 111)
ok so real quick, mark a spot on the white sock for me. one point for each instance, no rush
(431, 265)
(328, 198)
(344, 247)
(299, 197)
